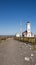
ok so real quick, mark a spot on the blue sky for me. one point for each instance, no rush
(14, 11)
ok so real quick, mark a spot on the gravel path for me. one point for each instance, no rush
(13, 52)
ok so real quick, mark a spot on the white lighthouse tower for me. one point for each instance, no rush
(28, 29)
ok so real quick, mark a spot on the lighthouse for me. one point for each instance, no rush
(28, 27)
(28, 32)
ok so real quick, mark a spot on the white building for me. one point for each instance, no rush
(17, 35)
(28, 32)
(29, 29)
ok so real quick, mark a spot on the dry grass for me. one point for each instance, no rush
(31, 40)
(4, 38)
(25, 39)
(34, 47)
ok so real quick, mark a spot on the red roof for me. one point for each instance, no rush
(25, 33)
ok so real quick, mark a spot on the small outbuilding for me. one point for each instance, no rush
(17, 35)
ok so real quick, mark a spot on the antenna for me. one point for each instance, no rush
(20, 28)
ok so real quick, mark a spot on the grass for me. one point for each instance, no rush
(34, 47)
(25, 39)
(0, 41)
(31, 40)
(4, 38)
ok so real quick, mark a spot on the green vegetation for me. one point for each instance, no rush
(31, 40)
(34, 47)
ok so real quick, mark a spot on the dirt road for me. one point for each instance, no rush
(13, 52)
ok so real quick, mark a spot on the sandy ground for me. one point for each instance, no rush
(13, 52)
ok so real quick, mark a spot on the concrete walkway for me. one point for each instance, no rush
(13, 52)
